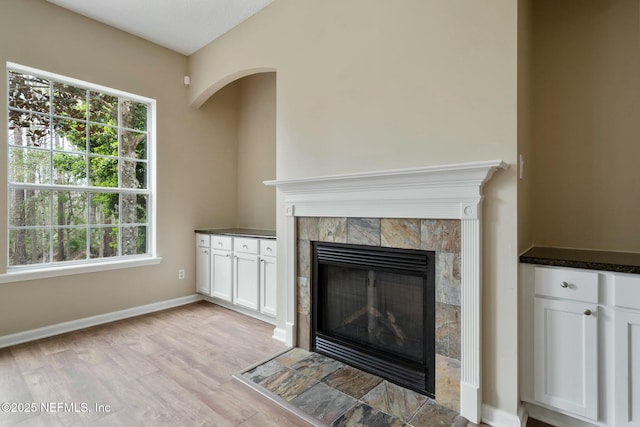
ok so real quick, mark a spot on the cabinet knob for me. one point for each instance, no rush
(564, 284)
(219, 243)
(206, 252)
(268, 249)
(587, 312)
(245, 247)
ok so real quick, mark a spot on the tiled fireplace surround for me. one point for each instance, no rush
(426, 208)
(441, 236)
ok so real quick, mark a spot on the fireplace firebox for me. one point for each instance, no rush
(374, 308)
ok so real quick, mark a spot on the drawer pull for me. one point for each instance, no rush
(587, 312)
(268, 249)
(245, 247)
(219, 243)
(564, 284)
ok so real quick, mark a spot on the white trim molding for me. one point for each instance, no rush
(74, 325)
(434, 192)
(497, 417)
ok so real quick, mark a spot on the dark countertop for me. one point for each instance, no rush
(619, 262)
(240, 232)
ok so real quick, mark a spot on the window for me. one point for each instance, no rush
(79, 171)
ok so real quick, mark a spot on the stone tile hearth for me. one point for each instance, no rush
(438, 235)
(327, 392)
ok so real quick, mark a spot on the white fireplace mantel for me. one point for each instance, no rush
(434, 192)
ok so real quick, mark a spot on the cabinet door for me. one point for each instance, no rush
(566, 355)
(222, 274)
(627, 368)
(203, 271)
(245, 281)
(268, 285)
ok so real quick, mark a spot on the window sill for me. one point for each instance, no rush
(67, 270)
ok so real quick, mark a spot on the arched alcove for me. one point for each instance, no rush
(249, 99)
(216, 85)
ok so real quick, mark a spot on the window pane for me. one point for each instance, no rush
(29, 166)
(104, 208)
(28, 92)
(69, 101)
(133, 174)
(133, 144)
(134, 240)
(103, 108)
(69, 169)
(134, 208)
(103, 172)
(29, 246)
(29, 208)
(69, 244)
(69, 208)
(29, 129)
(134, 114)
(69, 135)
(103, 140)
(104, 242)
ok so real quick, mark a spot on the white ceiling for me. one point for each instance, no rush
(181, 25)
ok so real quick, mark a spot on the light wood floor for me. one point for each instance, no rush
(171, 368)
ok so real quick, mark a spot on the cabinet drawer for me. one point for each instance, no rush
(247, 246)
(268, 247)
(567, 283)
(626, 292)
(222, 242)
(202, 240)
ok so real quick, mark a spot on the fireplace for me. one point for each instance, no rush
(442, 192)
(374, 308)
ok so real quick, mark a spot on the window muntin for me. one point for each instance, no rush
(79, 171)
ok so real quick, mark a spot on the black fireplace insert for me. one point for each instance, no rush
(374, 308)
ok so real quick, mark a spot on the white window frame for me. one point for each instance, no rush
(36, 271)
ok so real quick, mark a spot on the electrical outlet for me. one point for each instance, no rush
(180, 274)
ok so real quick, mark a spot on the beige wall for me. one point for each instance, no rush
(256, 151)
(191, 161)
(586, 99)
(371, 85)
(525, 149)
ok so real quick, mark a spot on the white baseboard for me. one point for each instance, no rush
(74, 325)
(499, 418)
(280, 334)
(557, 419)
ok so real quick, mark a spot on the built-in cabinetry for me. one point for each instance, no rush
(627, 351)
(580, 345)
(221, 267)
(238, 273)
(566, 340)
(203, 271)
(268, 276)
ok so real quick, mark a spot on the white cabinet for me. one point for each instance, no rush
(203, 264)
(566, 340)
(627, 351)
(566, 356)
(579, 340)
(246, 289)
(245, 280)
(221, 280)
(268, 277)
(221, 267)
(238, 273)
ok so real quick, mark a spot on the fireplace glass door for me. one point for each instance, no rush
(374, 308)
